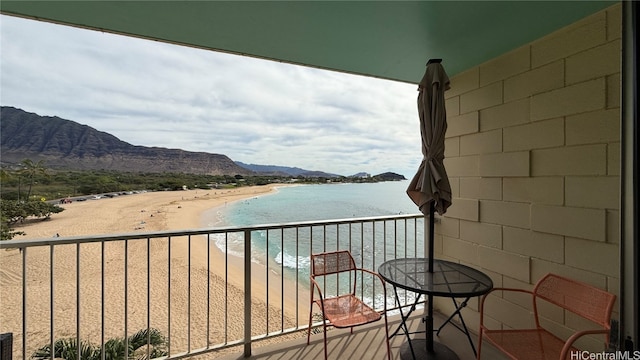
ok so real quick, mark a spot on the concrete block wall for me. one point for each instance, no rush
(532, 151)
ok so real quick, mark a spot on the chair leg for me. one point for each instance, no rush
(479, 345)
(310, 318)
(324, 327)
(386, 332)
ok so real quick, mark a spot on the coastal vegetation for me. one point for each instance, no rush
(114, 349)
(31, 190)
(59, 184)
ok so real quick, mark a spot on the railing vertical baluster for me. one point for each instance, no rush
(350, 237)
(208, 289)
(102, 296)
(384, 244)
(373, 256)
(169, 295)
(148, 298)
(126, 299)
(415, 245)
(247, 293)
(78, 300)
(266, 260)
(395, 250)
(189, 294)
(226, 287)
(51, 302)
(24, 303)
(324, 238)
(282, 279)
(310, 240)
(361, 242)
(297, 275)
(338, 248)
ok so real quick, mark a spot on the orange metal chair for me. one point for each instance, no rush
(342, 310)
(582, 299)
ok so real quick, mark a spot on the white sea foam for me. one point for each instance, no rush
(293, 262)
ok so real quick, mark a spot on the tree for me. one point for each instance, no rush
(114, 349)
(31, 170)
(14, 211)
(7, 233)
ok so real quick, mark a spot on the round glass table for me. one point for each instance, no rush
(448, 279)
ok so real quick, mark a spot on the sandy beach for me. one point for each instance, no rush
(184, 274)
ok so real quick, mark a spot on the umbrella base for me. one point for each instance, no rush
(440, 351)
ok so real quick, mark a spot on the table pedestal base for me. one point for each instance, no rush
(440, 351)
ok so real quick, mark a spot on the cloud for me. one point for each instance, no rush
(256, 111)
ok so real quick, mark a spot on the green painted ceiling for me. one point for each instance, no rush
(385, 39)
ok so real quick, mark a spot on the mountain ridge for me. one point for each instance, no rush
(66, 144)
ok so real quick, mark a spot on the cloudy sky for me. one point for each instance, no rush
(255, 111)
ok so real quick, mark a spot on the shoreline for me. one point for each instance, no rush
(148, 212)
(258, 269)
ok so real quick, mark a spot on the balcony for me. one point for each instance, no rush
(220, 292)
(364, 343)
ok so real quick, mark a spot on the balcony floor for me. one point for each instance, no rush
(366, 342)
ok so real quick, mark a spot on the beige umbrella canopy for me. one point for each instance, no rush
(430, 188)
(431, 184)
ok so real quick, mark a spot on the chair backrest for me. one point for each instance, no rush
(582, 299)
(331, 263)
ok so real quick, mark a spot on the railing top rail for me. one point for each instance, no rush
(15, 244)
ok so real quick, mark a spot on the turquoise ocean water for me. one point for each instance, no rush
(288, 250)
(310, 203)
(320, 202)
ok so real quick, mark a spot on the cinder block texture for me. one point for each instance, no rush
(539, 80)
(460, 249)
(569, 221)
(505, 164)
(481, 233)
(462, 124)
(602, 126)
(600, 192)
(464, 82)
(572, 160)
(594, 63)
(575, 99)
(592, 256)
(511, 265)
(481, 98)
(466, 209)
(505, 213)
(533, 148)
(538, 135)
(613, 91)
(541, 190)
(482, 188)
(534, 244)
(580, 36)
(452, 147)
(505, 66)
(613, 226)
(505, 115)
(613, 159)
(463, 166)
(481, 143)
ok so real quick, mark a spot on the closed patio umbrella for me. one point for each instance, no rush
(430, 185)
(430, 188)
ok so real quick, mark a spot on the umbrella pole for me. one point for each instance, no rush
(429, 324)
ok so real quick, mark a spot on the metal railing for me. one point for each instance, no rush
(205, 290)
